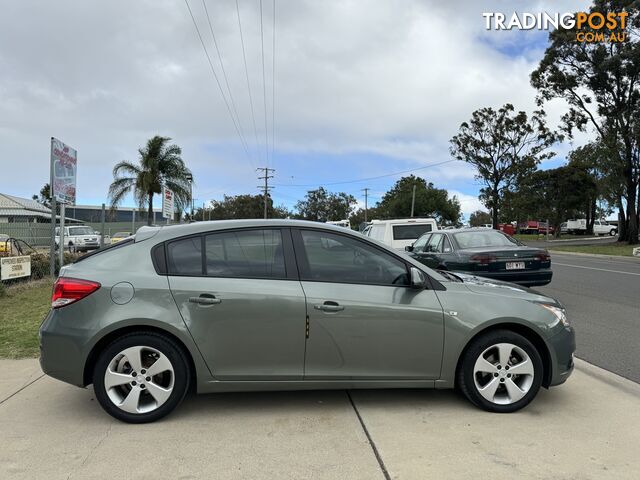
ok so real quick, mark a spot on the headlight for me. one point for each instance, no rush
(560, 313)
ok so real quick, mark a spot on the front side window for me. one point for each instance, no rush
(419, 244)
(246, 254)
(342, 259)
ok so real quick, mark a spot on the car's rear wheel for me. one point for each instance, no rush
(501, 371)
(141, 377)
(613, 232)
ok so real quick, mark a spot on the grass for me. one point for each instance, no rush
(22, 309)
(533, 236)
(608, 249)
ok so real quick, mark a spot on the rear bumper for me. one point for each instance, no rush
(523, 277)
(61, 351)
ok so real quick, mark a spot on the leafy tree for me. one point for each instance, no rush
(430, 202)
(322, 206)
(479, 218)
(503, 145)
(159, 164)
(357, 217)
(45, 196)
(600, 82)
(239, 207)
(558, 194)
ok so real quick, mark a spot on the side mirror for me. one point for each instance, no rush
(418, 280)
(408, 248)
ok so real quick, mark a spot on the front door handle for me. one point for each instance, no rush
(329, 307)
(205, 299)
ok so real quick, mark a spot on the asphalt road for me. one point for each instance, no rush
(602, 296)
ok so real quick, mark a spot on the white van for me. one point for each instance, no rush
(401, 232)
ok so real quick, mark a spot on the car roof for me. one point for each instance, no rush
(165, 232)
(404, 221)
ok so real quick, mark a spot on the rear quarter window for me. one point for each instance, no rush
(184, 256)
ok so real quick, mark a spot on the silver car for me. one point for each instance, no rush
(263, 305)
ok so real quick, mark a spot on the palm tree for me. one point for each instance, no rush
(159, 164)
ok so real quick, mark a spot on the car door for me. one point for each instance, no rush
(239, 294)
(364, 320)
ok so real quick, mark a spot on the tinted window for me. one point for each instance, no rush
(435, 243)
(249, 253)
(185, 256)
(342, 259)
(410, 231)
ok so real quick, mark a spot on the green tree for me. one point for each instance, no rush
(429, 202)
(357, 217)
(322, 206)
(479, 218)
(239, 207)
(44, 197)
(503, 146)
(600, 82)
(158, 164)
(558, 194)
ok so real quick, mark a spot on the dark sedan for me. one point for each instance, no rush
(485, 253)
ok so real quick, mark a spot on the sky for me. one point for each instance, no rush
(352, 90)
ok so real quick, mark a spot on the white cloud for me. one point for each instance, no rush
(363, 77)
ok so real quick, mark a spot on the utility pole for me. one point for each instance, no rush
(265, 188)
(366, 197)
(413, 200)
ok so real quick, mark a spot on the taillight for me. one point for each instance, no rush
(483, 259)
(69, 290)
(543, 256)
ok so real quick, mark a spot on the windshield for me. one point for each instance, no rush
(80, 231)
(122, 234)
(484, 238)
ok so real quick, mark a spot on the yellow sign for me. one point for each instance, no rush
(15, 267)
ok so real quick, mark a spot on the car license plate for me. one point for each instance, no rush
(515, 265)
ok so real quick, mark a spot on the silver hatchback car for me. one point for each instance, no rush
(264, 305)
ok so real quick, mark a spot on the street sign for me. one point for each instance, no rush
(167, 203)
(15, 267)
(64, 160)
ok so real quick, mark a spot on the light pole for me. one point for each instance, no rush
(190, 179)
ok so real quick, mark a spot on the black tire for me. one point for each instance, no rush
(465, 376)
(613, 232)
(159, 342)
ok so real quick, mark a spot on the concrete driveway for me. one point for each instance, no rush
(587, 429)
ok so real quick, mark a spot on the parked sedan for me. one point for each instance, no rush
(486, 253)
(267, 305)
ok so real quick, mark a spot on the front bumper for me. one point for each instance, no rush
(525, 278)
(562, 346)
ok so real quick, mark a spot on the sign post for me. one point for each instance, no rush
(64, 163)
(167, 203)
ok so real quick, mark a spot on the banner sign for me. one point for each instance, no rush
(167, 203)
(15, 267)
(64, 160)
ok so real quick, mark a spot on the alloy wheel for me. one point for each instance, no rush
(139, 379)
(503, 373)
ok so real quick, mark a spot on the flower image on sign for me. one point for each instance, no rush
(63, 172)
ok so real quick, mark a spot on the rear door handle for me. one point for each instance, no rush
(205, 299)
(329, 307)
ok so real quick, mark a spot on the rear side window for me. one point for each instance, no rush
(185, 256)
(410, 231)
(246, 254)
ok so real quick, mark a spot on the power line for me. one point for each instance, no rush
(273, 89)
(246, 71)
(213, 71)
(224, 72)
(368, 178)
(264, 90)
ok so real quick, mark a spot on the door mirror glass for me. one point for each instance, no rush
(408, 248)
(418, 280)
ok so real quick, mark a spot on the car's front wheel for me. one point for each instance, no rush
(501, 371)
(141, 377)
(613, 232)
